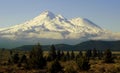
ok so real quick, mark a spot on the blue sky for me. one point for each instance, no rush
(105, 13)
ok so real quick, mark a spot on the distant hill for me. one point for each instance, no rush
(47, 47)
(100, 45)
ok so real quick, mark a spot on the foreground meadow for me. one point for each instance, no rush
(17, 61)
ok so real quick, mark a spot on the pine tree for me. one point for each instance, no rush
(63, 56)
(72, 55)
(83, 63)
(79, 55)
(95, 54)
(52, 53)
(23, 59)
(16, 58)
(67, 55)
(55, 67)
(59, 55)
(108, 56)
(88, 53)
(11, 52)
(100, 54)
(36, 59)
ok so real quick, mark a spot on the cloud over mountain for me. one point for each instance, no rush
(49, 28)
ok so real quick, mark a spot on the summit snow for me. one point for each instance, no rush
(48, 26)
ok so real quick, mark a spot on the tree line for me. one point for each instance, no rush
(36, 59)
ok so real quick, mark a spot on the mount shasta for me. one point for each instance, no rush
(48, 28)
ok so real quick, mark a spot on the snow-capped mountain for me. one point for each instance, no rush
(50, 28)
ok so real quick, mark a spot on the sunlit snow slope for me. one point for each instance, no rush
(49, 28)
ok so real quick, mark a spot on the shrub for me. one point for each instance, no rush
(108, 56)
(83, 63)
(55, 67)
(23, 59)
(70, 67)
(15, 58)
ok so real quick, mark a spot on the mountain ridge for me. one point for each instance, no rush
(87, 45)
(56, 28)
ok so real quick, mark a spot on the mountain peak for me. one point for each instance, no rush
(49, 27)
(47, 14)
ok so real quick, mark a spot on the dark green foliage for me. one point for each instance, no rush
(79, 55)
(52, 53)
(108, 56)
(63, 56)
(62, 53)
(88, 53)
(55, 67)
(36, 59)
(59, 55)
(83, 63)
(9, 61)
(72, 55)
(100, 54)
(94, 53)
(67, 55)
(100, 45)
(23, 59)
(11, 52)
(15, 58)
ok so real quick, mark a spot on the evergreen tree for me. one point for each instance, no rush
(72, 55)
(79, 55)
(67, 55)
(88, 53)
(52, 53)
(23, 59)
(108, 56)
(83, 63)
(55, 67)
(100, 54)
(36, 57)
(59, 55)
(11, 52)
(94, 53)
(63, 56)
(16, 58)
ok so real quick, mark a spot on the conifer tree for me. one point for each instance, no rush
(52, 53)
(88, 53)
(23, 59)
(67, 55)
(79, 55)
(59, 54)
(36, 57)
(55, 67)
(108, 56)
(100, 54)
(95, 54)
(16, 58)
(72, 55)
(63, 56)
(83, 63)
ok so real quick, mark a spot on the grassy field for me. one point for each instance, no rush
(97, 66)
